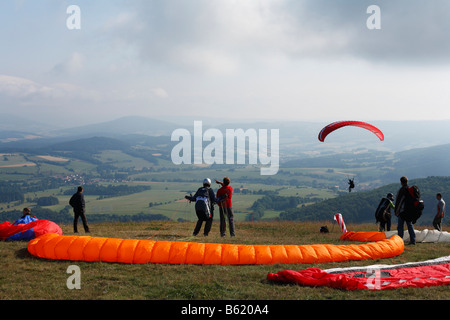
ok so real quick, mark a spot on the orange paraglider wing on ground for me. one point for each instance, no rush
(78, 248)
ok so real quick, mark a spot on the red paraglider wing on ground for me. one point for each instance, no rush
(28, 231)
(339, 124)
(378, 277)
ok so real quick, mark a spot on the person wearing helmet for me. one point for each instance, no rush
(383, 212)
(204, 206)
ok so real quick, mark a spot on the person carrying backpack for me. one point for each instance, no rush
(204, 206)
(405, 209)
(383, 212)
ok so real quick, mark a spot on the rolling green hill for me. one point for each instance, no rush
(50, 166)
(423, 162)
(360, 207)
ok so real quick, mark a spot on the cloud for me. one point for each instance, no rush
(285, 58)
(27, 92)
(159, 92)
(72, 65)
(21, 88)
(222, 36)
(412, 32)
(210, 37)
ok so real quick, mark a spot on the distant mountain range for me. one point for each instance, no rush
(417, 149)
(412, 133)
(121, 126)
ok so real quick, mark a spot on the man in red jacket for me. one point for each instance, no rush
(225, 207)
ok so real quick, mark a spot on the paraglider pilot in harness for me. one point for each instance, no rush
(383, 212)
(351, 184)
(204, 206)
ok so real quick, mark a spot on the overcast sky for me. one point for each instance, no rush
(294, 60)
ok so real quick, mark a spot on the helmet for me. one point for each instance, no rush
(207, 181)
(390, 196)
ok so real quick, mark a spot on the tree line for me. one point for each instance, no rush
(273, 201)
(15, 191)
(110, 190)
(65, 216)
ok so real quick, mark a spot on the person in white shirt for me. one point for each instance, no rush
(437, 222)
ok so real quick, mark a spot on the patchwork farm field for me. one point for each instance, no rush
(166, 185)
(26, 277)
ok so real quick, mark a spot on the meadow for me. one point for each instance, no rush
(25, 277)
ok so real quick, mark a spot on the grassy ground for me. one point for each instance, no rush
(26, 277)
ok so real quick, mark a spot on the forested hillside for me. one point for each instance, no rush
(360, 206)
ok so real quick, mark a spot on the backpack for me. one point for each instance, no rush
(414, 205)
(380, 213)
(202, 204)
(324, 229)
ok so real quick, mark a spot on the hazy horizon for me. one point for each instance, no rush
(264, 60)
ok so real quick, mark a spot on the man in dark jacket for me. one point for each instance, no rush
(400, 209)
(78, 205)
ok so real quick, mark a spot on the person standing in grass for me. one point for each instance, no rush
(204, 207)
(400, 210)
(225, 207)
(437, 222)
(79, 209)
(383, 212)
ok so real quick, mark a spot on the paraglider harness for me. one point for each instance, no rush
(383, 213)
(202, 203)
(324, 229)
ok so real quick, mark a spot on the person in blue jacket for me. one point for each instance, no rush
(26, 217)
